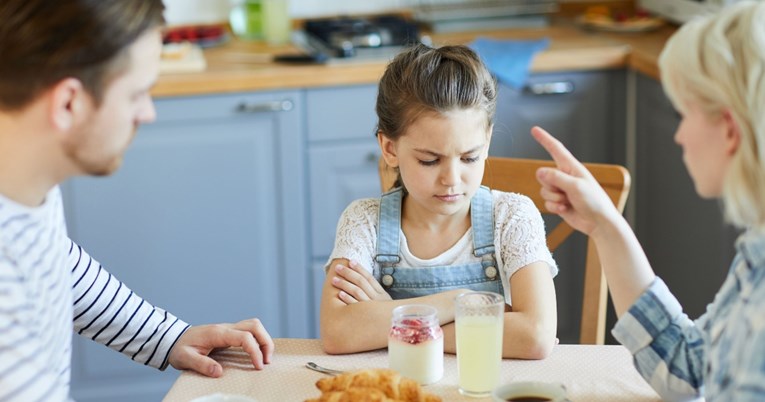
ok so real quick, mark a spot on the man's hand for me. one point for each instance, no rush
(356, 284)
(192, 348)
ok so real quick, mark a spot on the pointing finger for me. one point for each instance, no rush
(562, 157)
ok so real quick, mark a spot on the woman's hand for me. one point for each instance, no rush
(356, 284)
(570, 190)
(192, 348)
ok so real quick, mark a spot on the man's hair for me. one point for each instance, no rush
(718, 63)
(43, 42)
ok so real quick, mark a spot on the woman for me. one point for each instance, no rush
(713, 70)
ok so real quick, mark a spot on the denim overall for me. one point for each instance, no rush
(422, 281)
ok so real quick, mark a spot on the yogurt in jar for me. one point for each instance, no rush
(416, 343)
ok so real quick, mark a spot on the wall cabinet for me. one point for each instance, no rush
(684, 237)
(205, 219)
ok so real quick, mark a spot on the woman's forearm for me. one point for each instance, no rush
(624, 263)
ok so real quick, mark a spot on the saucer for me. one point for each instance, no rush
(529, 390)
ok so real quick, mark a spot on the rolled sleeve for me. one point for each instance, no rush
(651, 314)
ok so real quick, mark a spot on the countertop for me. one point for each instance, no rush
(246, 66)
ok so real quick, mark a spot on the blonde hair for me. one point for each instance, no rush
(718, 63)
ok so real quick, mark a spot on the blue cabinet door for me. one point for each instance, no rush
(584, 110)
(204, 219)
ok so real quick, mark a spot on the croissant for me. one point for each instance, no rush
(360, 394)
(382, 385)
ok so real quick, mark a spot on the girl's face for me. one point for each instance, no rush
(708, 143)
(441, 159)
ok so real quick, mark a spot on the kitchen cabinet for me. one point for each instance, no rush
(684, 237)
(342, 160)
(206, 219)
(586, 112)
(584, 109)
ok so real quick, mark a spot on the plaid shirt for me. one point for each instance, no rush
(720, 356)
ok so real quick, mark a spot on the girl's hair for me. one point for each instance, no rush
(718, 63)
(43, 42)
(424, 80)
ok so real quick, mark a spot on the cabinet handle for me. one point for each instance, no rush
(550, 88)
(265, 107)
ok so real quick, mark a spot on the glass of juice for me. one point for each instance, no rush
(277, 25)
(479, 318)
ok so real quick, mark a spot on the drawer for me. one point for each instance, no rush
(341, 113)
(193, 108)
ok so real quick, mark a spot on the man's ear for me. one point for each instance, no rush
(68, 104)
(733, 132)
(388, 149)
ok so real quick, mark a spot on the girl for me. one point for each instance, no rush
(440, 233)
(713, 70)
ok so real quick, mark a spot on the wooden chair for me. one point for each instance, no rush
(519, 176)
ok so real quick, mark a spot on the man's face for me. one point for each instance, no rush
(98, 145)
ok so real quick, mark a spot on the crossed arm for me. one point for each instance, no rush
(356, 312)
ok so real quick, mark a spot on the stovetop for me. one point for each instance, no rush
(359, 37)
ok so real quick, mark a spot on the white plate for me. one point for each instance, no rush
(224, 398)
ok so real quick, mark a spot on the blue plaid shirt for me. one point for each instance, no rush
(720, 356)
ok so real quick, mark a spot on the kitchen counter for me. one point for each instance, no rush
(246, 66)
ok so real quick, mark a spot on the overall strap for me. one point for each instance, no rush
(482, 220)
(388, 228)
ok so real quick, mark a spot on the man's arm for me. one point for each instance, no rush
(107, 311)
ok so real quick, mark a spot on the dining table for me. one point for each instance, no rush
(590, 373)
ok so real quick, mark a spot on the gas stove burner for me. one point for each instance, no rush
(345, 37)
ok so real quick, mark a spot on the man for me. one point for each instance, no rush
(75, 78)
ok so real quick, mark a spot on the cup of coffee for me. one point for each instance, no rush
(530, 391)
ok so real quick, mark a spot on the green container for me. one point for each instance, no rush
(247, 19)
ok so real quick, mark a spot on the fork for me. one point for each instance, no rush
(315, 367)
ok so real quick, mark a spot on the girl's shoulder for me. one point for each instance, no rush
(363, 207)
(512, 202)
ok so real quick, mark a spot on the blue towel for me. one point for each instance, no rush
(509, 60)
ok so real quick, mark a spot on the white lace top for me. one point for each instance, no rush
(519, 238)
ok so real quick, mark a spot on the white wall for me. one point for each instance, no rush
(211, 11)
(179, 12)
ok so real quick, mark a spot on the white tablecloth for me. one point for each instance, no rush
(590, 374)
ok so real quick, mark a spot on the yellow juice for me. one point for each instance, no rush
(276, 21)
(479, 353)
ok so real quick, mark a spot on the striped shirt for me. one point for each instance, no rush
(720, 356)
(48, 286)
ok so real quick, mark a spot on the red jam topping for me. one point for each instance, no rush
(414, 331)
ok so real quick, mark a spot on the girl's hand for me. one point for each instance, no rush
(570, 190)
(356, 284)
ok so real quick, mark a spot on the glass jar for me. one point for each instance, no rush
(416, 343)
(277, 25)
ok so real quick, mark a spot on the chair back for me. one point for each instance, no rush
(517, 175)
